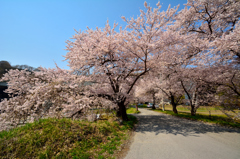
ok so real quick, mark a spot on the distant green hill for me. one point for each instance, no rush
(4, 67)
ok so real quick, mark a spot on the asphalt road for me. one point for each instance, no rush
(161, 136)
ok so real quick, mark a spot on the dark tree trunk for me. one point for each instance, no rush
(122, 111)
(174, 108)
(136, 106)
(174, 105)
(193, 111)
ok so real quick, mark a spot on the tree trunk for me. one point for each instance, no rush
(174, 105)
(137, 106)
(193, 103)
(163, 109)
(122, 111)
(193, 111)
(174, 108)
(153, 107)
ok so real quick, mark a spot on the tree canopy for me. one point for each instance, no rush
(195, 51)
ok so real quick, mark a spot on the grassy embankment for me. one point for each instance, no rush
(65, 138)
(205, 114)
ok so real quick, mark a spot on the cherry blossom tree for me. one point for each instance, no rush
(210, 29)
(147, 88)
(196, 52)
(117, 60)
(212, 21)
(44, 93)
(171, 87)
(106, 66)
(198, 92)
(213, 26)
(225, 79)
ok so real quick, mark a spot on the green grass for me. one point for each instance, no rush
(142, 106)
(216, 119)
(139, 106)
(65, 138)
(200, 109)
(203, 110)
(132, 111)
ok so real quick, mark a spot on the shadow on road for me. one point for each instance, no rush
(172, 125)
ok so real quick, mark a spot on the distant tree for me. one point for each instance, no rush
(5, 64)
(23, 67)
(171, 87)
(4, 67)
(148, 89)
(197, 92)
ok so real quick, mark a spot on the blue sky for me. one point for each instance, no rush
(34, 32)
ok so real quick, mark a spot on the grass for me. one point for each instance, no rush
(65, 138)
(216, 119)
(187, 108)
(203, 110)
(132, 111)
(139, 106)
(142, 106)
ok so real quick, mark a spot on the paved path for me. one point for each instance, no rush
(163, 136)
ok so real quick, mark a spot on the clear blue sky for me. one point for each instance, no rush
(34, 32)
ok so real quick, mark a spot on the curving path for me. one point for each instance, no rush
(163, 136)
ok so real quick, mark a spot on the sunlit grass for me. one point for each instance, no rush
(65, 138)
(216, 119)
(201, 110)
(132, 111)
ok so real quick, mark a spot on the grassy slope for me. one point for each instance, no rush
(65, 138)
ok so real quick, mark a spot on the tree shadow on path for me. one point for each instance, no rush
(172, 125)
